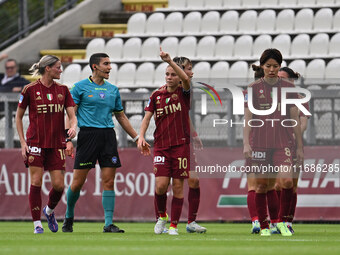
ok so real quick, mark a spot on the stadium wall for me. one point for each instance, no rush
(223, 196)
(28, 49)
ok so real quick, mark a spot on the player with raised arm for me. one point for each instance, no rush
(170, 104)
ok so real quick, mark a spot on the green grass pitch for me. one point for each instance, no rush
(221, 238)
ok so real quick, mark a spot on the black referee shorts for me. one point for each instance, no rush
(96, 144)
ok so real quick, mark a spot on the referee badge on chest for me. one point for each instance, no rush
(102, 95)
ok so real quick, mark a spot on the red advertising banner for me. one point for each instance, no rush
(223, 194)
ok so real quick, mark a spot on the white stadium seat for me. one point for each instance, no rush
(289, 3)
(220, 70)
(304, 20)
(261, 43)
(238, 71)
(325, 2)
(269, 3)
(229, 22)
(173, 23)
(170, 45)
(319, 45)
(145, 75)
(224, 47)
(250, 3)
(213, 4)
(202, 70)
(154, 24)
(336, 21)
(195, 4)
(315, 71)
(150, 48)
(247, 21)
(187, 47)
(159, 75)
(94, 46)
(136, 23)
(282, 43)
(206, 47)
(232, 3)
(113, 73)
(266, 21)
(300, 45)
(332, 70)
(131, 49)
(177, 4)
(192, 23)
(243, 46)
(210, 22)
(86, 72)
(299, 66)
(285, 21)
(114, 48)
(305, 2)
(323, 20)
(334, 43)
(71, 75)
(126, 75)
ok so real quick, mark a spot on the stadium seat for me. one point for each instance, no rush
(113, 73)
(229, 22)
(324, 127)
(269, 3)
(155, 23)
(192, 23)
(202, 70)
(304, 20)
(145, 75)
(238, 72)
(285, 21)
(299, 66)
(232, 3)
(336, 21)
(114, 48)
(305, 2)
(94, 46)
(282, 43)
(332, 71)
(261, 43)
(250, 3)
(159, 79)
(206, 47)
(213, 4)
(219, 73)
(210, 22)
(136, 24)
(323, 20)
(86, 72)
(187, 47)
(131, 48)
(266, 21)
(173, 23)
(324, 2)
(195, 4)
(136, 121)
(170, 45)
(243, 46)
(126, 75)
(315, 71)
(319, 45)
(71, 75)
(150, 49)
(287, 3)
(334, 43)
(177, 4)
(207, 132)
(300, 45)
(224, 47)
(247, 21)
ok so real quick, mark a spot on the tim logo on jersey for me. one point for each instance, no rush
(171, 108)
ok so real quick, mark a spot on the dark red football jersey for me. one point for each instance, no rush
(171, 112)
(46, 113)
(272, 134)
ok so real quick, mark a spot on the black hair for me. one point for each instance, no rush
(291, 74)
(182, 61)
(258, 71)
(95, 59)
(271, 53)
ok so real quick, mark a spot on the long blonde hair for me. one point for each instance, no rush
(39, 67)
